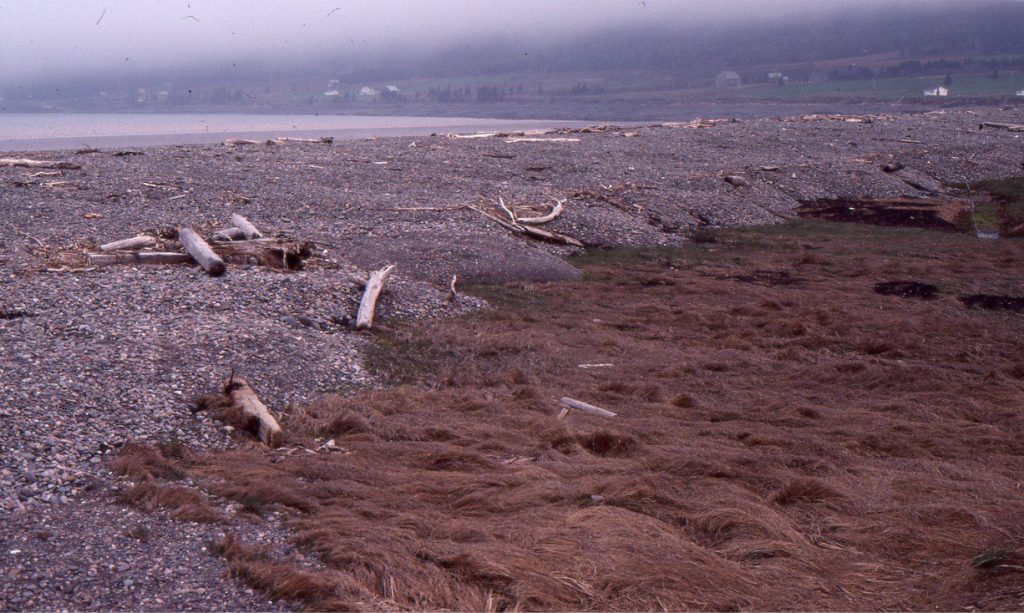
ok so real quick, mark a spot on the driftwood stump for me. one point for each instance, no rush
(367, 306)
(251, 412)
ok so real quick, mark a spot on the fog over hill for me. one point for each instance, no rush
(62, 50)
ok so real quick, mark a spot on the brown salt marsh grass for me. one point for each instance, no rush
(786, 438)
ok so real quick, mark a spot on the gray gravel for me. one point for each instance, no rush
(91, 359)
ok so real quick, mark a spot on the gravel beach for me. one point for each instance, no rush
(90, 358)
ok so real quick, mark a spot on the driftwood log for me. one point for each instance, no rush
(128, 244)
(227, 234)
(139, 257)
(271, 252)
(586, 408)
(367, 306)
(542, 140)
(236, 142)
(201, 252)
(251, 412)
(246, 226)
(1012, 127)
(283, 140)
(26, 163)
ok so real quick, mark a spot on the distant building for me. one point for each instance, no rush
(367, 91)
(941, 90)
(393, 89)
(728, 78)
(1020, 93)
(140, 96)
(818, 77)
(332, 93)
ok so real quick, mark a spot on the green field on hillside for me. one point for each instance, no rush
(965, 85)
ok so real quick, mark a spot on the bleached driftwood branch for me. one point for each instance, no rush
(367, 306)
(555, 212)
(140, 257)
(128, 244)
(586, 408)
(26, 163)
(235, 142)
(530, 139)
(282, 140)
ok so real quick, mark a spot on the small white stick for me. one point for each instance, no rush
(508, 211)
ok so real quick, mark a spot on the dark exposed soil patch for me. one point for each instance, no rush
(776, 446)
(770, 278)
(907, 289)
(992, 302)
(14, 314)
(906, 212)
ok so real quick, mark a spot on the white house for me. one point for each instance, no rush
(1020, 93)
(332, 93)
(941, 90)
(393, 89)
(367, 91)
(728, 78)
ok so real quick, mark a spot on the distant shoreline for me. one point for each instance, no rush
(66, 131)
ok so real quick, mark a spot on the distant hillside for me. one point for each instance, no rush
(908, 41)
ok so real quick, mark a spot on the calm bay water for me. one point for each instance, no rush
(56, 131)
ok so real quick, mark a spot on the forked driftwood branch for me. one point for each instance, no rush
(368, 304)
(517, 228)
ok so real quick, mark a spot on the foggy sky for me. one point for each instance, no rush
(53, 39)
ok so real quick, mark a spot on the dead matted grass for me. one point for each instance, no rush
(787, 438)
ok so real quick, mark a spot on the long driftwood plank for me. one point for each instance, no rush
(201, 251)
(128, 244)
(26, 163)
(142, 257)
(367, 306)
(246, 226)
(244, 398)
